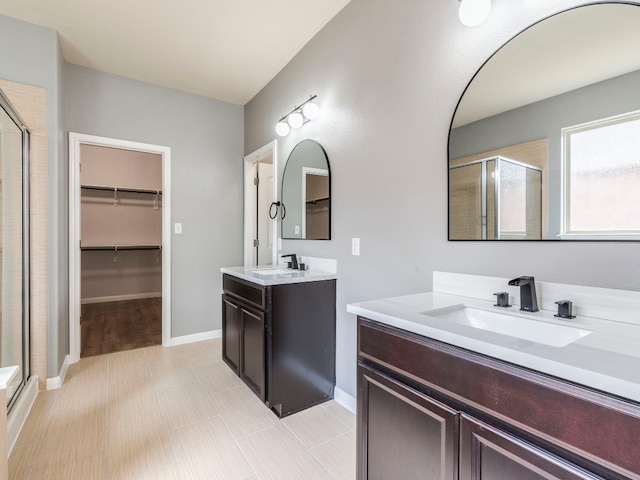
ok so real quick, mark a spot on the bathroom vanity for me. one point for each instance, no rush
(278, 334)
(438, 399)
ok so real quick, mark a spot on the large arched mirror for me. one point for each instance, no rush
(545, 141)
(306, 193)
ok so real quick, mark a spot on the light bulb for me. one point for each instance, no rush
(295, 120)
(473, 12)
(282, 129)
(311, 110)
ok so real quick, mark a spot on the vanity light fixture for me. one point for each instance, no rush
(473, 12)
(282, 128)
(297, 117)
(295, 120)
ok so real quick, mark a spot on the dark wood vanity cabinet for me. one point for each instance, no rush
(487, 453)
(429, 410)
(405, 433)
(280, 339)
(243, 347)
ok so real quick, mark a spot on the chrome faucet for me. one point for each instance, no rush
(528, 300)
(294, 260)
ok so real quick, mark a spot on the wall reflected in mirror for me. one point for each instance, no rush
(577, 71)
(306, 193)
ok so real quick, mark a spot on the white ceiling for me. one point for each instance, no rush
(565, 52)
(224, 49)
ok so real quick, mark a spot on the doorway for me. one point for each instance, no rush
(120, 249)
(316, 203)
(260, 190)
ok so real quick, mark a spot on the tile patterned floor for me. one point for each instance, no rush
(175, 413)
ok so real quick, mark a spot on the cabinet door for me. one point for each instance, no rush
(402, 433)
(487, 453)
(252, 366)
(231, 333)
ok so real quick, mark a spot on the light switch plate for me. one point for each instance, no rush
(177, 228)
(355, 246)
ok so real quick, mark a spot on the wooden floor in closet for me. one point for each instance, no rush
(117, 326)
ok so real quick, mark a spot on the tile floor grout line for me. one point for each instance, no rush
(331, 440)
(321, 463)
(42, 434)
(224, 422)
(349, 427)
(174, 452)
(309, 449)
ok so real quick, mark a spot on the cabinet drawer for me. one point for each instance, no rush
(248, 292)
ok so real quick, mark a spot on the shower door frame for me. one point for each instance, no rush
(496, 197)
(25, 367)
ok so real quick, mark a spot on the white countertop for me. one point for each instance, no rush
(607, 359)
(279, 277)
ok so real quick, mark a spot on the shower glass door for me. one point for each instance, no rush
(14, 241)
(495, 198)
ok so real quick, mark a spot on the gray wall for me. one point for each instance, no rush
(546, 119)
(31, 54)
(205, 137)
(388, 76)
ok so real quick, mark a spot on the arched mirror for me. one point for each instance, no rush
(306, 193)
(544, 143)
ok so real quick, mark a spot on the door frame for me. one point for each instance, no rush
(250, 214)
(321, 172)
(75, 140)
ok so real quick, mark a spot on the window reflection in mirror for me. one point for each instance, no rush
(602, 171)
(306, 193)
(572, 69)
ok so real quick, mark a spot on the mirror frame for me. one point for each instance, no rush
(453, 117)
(282, 191)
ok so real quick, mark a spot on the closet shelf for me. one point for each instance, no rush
(323, 200)
(113, 189)
(117, 248)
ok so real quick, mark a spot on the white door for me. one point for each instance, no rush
(264, 250)
(260, 190)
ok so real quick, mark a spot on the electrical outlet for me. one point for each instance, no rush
(177, 228)
(355, 246)
(297, 229)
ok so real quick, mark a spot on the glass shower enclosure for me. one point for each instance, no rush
(14, 245)
(495, 198)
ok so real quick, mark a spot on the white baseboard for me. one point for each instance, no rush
(120, 298)
(344, 399)
(56, 382)
(196, 337)
(20, 412)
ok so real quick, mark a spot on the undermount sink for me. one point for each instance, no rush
(271, 271)
(551, 334)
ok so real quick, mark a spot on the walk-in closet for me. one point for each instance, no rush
(121, 249)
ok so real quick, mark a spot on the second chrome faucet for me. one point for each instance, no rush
(528, 299)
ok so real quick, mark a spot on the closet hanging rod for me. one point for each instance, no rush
(112, 189)
(121, 247)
